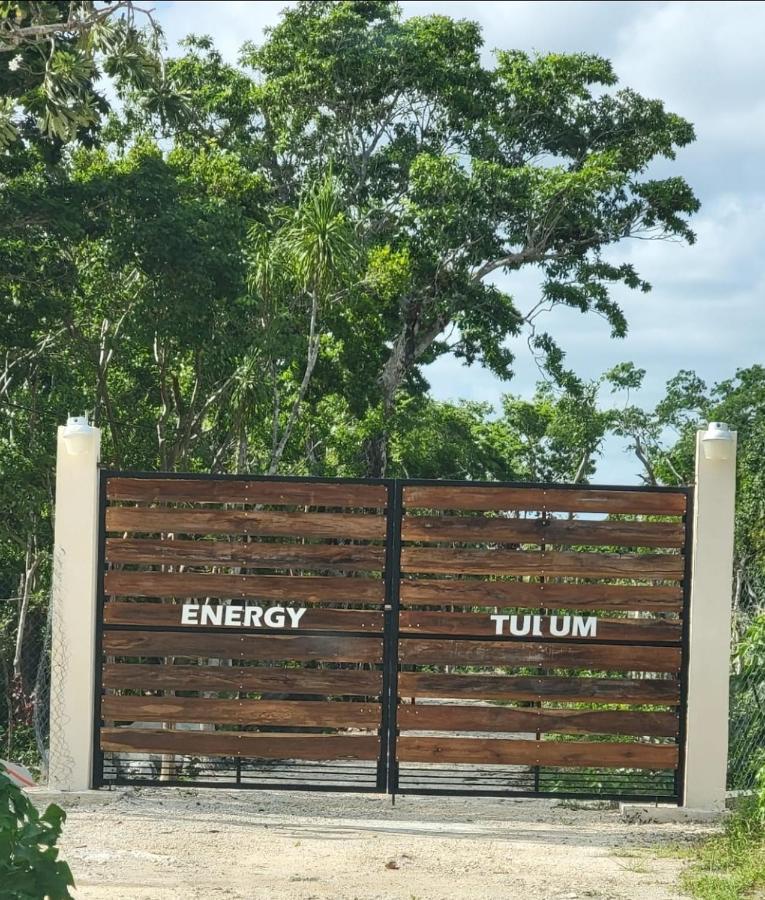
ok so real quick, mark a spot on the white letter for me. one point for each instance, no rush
(252, 616)
(274, 617)
(537, 632)
(499, 619)
(520, 632)
(585, 627)
(233, 615)
(564, 629)
(295, 615)
(190, 614)
(212, 615)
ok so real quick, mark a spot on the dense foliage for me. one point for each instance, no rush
(731, 866)
(30, 868)
(52, 55)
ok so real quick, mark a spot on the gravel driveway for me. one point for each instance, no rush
(158, 844)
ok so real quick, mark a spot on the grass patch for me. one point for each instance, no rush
(732, 865)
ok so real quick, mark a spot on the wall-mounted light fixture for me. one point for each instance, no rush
(78, 435)
(717, 441)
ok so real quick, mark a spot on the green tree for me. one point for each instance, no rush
(463, 173)
(456, 175)
(55, 52)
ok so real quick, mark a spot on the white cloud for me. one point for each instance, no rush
(229, 22)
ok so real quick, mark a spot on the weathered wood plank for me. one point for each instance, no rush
(256, 555)
(322, 682)
(531, 595)
(545, 688)
(142, 520)
(632, 755)
(309, 589)
(553, 655)
(480, 529)
(278, 492)
(430, 717)
(169, 614)
(251, 745)
(490, 497)
(224, 645)
(481, 625)
(553, 564)
(294, 713)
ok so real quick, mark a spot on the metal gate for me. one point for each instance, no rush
(392, 636)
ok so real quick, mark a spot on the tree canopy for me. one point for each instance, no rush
(53, 54)
(455, 173)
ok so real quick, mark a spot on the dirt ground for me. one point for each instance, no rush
(152, 844)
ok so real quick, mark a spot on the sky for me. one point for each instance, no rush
(705, 60)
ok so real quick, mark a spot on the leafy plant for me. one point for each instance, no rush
(29, 865)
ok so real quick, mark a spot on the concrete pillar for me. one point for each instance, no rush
(75, 555)
(706, 755)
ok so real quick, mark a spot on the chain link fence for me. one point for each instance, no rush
(746, 752)
(25, 688)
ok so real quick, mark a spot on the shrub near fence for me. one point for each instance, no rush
(747, 702)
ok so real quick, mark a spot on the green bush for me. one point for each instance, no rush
(29, 865)
(732, 866)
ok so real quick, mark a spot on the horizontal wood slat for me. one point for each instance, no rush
(490, 497)
(544, 753)
(449, 592)
(322, 682)
(429, 717)
(253, 746)
(311, 713)
(479, 529)
(546, 688)
(480, 624)
(276, 493)
(310, 589)
(548, 563)
(553, 655)
(253, 555)
(169, 614)
(214, 645)
(137, 519)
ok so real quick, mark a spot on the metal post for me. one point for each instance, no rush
(390, 646)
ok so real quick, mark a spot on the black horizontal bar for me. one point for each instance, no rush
(550, 795)
(511, 639)
(304, 632)
(554, 485)
(206, 476)
(423, 482)
(233, 630)
(231, 783)
(305, 771)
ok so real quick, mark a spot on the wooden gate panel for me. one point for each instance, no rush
(174, 677)
(539, 689)
(242, 632)
(526, 615)
(499, 497)
(316, 747)
(539, 594)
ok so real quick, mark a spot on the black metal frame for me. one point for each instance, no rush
(392, 607)
(387, 778)
(685, 645)
(97, 768)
